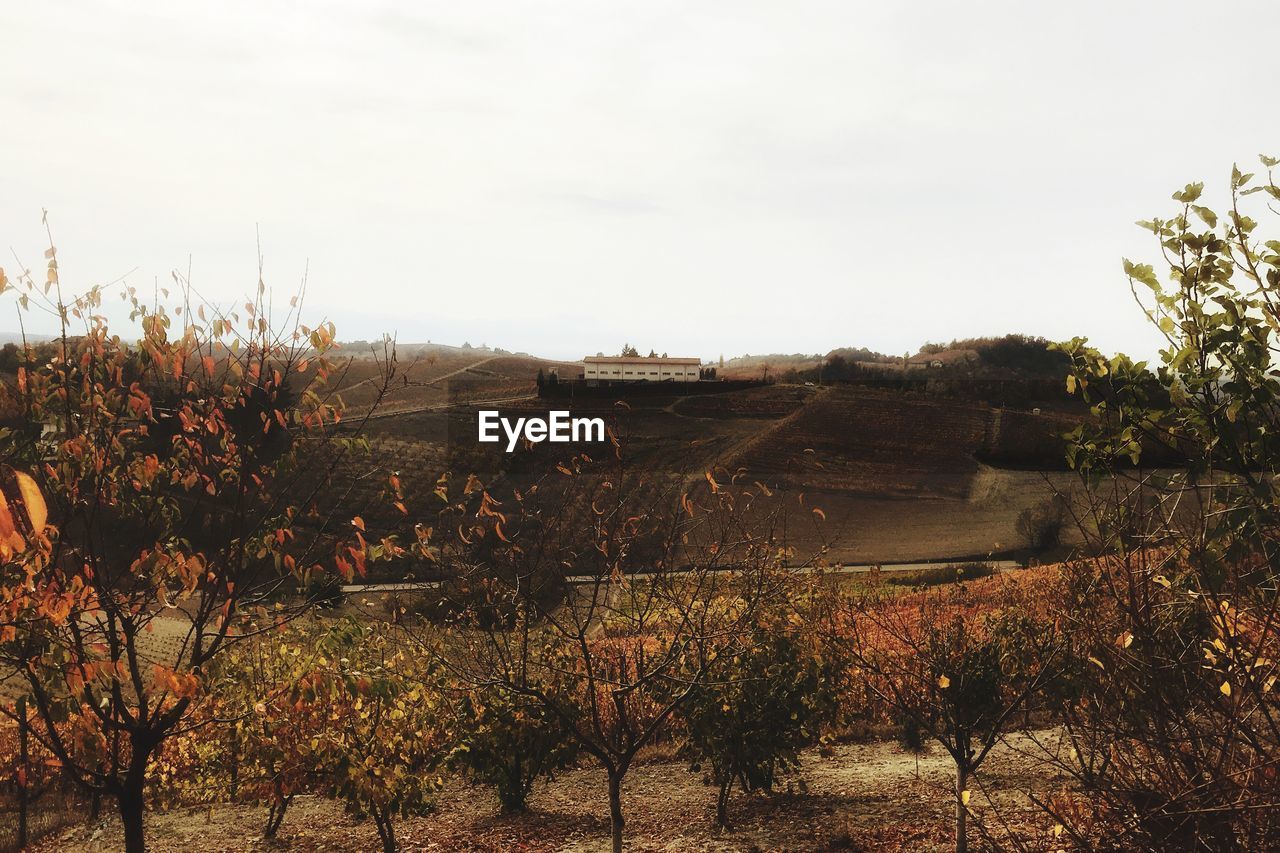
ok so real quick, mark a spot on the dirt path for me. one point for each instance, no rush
(427, 383)
(857, 797)
(453, 373)
(437, 407)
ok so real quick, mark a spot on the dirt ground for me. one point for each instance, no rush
(857, 797)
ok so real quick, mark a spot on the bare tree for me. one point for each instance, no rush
(603, 596)
(952, 667)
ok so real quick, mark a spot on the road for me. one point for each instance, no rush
(998, 565)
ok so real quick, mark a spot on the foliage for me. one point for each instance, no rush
(509, 741)
(615, 657)
(1175, 726)
(952, 668)
(266, 750)
(171, 471)
(323, 589)
(30, 776)
(335, 709)
(1022, 354)
(764, 703)
(940, 575)
(1041, 526)
(384, 726)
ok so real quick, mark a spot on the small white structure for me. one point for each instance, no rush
(628, 368)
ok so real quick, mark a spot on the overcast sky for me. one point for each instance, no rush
(697, 177)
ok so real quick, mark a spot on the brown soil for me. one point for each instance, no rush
(859, 797)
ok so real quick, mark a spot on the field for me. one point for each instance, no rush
(900, 477)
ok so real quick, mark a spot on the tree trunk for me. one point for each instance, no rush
(615, 810)
(386, 832)
(722, 803)
(514, 792)
(276, 812)
(131, 817)
(235, 767)
(962, 811)
(131, 798)
(24, 773)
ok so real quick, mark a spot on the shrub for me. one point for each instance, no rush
(940, 666)
(509, 741)
(1174, 721)
(764, 704)
(384, 727)
(324, 590)
(934, 576)
(1041, 526)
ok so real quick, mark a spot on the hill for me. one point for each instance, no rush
(900, 476)
(434, 375)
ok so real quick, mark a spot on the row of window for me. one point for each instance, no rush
(642, 373)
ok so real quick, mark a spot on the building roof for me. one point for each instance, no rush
(632, 359)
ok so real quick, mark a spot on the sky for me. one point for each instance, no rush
(693, 177)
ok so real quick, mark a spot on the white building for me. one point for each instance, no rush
(624, 368)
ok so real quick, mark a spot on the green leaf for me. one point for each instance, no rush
(1189, 193)
(1210, 218)
(1143, 273)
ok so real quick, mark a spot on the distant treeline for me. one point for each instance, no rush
(1024, 354)
(1011, 370)
(39, 351)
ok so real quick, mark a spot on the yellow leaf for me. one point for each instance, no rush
(964, 797)
(1225, 688)
(1125, 640)
(944, 682)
